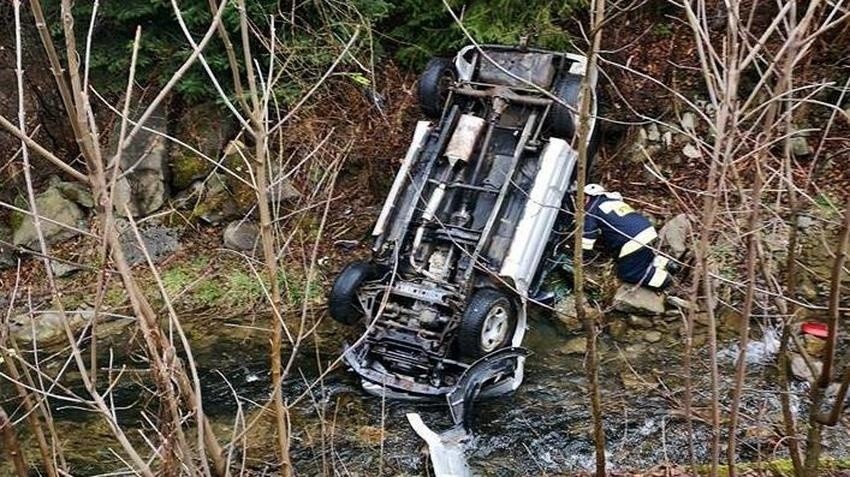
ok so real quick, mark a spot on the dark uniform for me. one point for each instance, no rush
(627, 235)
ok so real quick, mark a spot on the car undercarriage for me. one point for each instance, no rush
(462, 241)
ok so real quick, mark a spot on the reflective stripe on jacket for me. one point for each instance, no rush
(617, 225)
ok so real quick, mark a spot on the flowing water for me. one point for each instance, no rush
(543, 428)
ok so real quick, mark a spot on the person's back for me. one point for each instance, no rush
(627, 235)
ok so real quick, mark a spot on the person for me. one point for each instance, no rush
(628, 235)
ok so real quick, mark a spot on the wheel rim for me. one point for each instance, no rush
(494, 330)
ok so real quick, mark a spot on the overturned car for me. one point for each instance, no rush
(462, 239)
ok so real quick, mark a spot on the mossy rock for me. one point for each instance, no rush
(206, 127)
(187, 167)
(51, 204)
(228, 194)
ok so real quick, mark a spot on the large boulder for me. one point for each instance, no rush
(207, 127)
(158, 241)
(638, 300)
(140, 193)
(675, 236)
(47, 327)
(142, 189)
(50, 204)
(73, 191)
(227, 193)
(241, 235)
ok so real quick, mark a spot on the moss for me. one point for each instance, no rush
(826, 205)
(208, 293)
(176, 279)
(115, 296)
(187, 167)
(776, 467)
(16, 219)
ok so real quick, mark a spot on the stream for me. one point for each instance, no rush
(543, 428)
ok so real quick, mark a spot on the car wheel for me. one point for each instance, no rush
(487, 325)
(560, 119)
(342, 303)
(434, 86)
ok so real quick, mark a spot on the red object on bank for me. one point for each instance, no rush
(816, 329)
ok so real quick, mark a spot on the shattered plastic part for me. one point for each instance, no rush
(445, 449)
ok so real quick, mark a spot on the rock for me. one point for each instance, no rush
(618, 329)
(691, 151)
(675, 236)
(652, 133)
(805, 221)
(189, 198)
(565, 312)
(731, 319)
(667, 138)
(801, 371)
(799, 142)
(226, 197)
(635, 299)
(637, 150)
(680, 303)
(689, 121)
(282, 189)
(74, 191)
(807, 288)
(643, 135)
(47, 327)
(53, 205)
(207, 127)
(241, 235)
(800, 147)
(140, 193)
(577, 345)
(814, 346)
(634, 351)
(142, 189)
(652, 336)
(639, 322)
(63, 269)
(159, 242)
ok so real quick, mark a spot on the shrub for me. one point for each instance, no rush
(308, 33)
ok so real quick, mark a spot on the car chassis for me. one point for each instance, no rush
(461, 240)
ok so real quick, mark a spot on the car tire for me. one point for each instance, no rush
(342, 302)
(487, 324)
(560, 119)
(434, 85)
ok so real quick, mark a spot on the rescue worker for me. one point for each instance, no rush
(627, 235)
